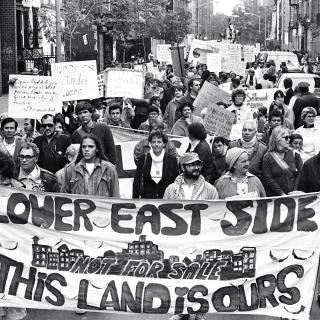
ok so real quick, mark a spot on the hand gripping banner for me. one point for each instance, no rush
(70, 252)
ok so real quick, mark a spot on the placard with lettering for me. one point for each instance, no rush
(214, 62)
(33, 96)
(209, 94)
(164, 53)
(124, 83)
(218, 121)
(79, 79)
(100, 80)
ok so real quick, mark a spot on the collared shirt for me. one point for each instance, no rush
(10, 146)
(32, 181)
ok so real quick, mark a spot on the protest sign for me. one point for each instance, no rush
(124, 83)
(34, 96)
(164, 53)
(231, 57)
(100, 84)
(218, 121)
(61, 251)
(79, 79)
(259, 98)
(214, 62)
(199, 50)
(249, 53)
(209, 94)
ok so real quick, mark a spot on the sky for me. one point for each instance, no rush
(225, 6)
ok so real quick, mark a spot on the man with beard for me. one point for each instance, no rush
(52, 146)
(190, 185)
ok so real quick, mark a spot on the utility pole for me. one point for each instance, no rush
(58, 31)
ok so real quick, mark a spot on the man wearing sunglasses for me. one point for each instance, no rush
(52, 146)
(30, 174)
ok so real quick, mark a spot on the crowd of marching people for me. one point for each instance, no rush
(74, 151)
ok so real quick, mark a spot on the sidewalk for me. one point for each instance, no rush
(4, 103)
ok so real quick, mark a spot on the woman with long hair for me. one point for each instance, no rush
(281, 165)
(92, 173)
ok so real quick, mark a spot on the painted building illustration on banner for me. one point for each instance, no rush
(145, 255)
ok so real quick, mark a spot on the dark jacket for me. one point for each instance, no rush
(104, 134)
(204, 152)
(306, 100)
(48, 179)
(277, 181)
(151, 189)
(289, 95)
(255, 161)
(51, 155)
(310, 175)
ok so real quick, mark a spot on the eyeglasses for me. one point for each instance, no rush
(27, 158)
(286, 138)
(49, 125)
(195, 164)
(310, 116)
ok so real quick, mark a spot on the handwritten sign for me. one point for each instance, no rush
(218, 121)
(249, 53)
(259, 98)
(214, 62)
(100, 80)
(209, 94)
(79, 79)
(164, 53)
(124, 83)
(33, 96)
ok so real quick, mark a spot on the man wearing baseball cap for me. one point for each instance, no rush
(307, 99)
(190, 185)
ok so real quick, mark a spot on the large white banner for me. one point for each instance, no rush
(60, 251)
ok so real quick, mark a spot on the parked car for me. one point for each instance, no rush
(289, 58)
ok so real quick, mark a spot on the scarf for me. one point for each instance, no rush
(156, 166)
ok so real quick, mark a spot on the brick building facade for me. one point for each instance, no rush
(8, 36)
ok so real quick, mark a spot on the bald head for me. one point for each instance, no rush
(249, 130)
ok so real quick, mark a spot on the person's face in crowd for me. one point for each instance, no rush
(178, 93)
(27, 159)
(242, 164)
(283, 142)
(297, 144)
(156, 102)
(115, 115)
(48, 126)
(89, 150)
(192, 170)
(186, 112)
(203, 67)
(219, 148)
(280, 99)
(309, 119)
(9, 130)
(196, 87)
(274, 122)
(255, 66)
(153, 115)
(239, 99)
(233, 75)
(58, 128)
(28, 128)
(248, 132)
(157, 145)
(84, 116)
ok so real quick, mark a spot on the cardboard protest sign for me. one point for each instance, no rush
(249, 53)
(33, 96)
(209, 94)
(124, 83)
(100, 80)
(79, 79)
(214, 62)
(62, 252)
(218, 121)
(259, 98)
(164, 53)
